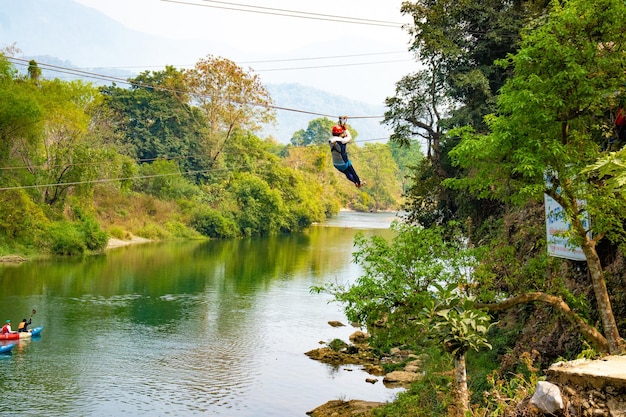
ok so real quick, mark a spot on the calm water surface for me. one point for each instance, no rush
(185, 329)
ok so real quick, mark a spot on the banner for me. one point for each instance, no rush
(556, 225)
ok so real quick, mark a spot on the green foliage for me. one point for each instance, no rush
(66, 239)
(317, 133)
(428, 397)
(337, 345)
(260, 208)
(151, 122)
(399, 277)
(94, 238)
(453, 320)
(163, 179)
(215, 224)
(21, 220)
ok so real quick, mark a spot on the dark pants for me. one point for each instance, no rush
(350, 174)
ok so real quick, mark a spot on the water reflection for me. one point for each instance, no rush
(189, 328)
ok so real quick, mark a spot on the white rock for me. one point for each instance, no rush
(547, 397)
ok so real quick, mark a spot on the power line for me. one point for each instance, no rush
(139, 177)
(270, 61)
(288, 13)
(65, 70)
(332, 66)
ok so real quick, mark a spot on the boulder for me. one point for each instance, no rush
(547, 397)
(401, 377)
(359, 337)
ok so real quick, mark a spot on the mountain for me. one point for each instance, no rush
(96, 44)
(303, 98)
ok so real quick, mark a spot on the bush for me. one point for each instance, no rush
(213, 224)
(119, 233)
(94, 237)
(66, 240)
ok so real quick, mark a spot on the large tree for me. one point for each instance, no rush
(230, 97)
(552, 122)
(154, 119)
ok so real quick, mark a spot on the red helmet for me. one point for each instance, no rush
(337, 130)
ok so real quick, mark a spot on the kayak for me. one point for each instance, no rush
(23, 335)
(6, 348)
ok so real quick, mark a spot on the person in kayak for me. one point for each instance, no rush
(23, 326)
(7, 327)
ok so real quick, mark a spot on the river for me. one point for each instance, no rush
(215, 328)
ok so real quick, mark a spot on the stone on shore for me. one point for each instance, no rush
(339, 408)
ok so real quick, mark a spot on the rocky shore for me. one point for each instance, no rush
(358, 352)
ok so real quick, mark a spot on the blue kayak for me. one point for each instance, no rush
(6, 348)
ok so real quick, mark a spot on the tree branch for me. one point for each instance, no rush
(589, 332)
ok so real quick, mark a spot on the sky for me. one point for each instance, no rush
(360, 61)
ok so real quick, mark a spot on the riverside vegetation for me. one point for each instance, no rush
(174, 155)
(515, 100)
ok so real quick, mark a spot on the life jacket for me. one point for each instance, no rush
(22, 326)
(5, 329)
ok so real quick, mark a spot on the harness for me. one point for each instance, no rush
(340, 148)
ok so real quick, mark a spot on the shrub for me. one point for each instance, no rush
(94, 237)
(213, 224)
(65, 239)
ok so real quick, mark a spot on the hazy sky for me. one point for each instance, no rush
(362, 61)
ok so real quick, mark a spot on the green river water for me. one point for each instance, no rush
(214, 328)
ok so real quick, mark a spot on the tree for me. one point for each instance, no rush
(34, 72)
(317, 133)
(413, 284)
(154, 119)
(459, 326)
(456, 43)
(551, 124)
(230, 97)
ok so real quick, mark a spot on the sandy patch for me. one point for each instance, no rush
(116, 243)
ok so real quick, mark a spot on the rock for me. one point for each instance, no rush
(339, 408)
(335, 323)
(401, 377)
(332, 357)
(359, 337)
(547, 397)
(374, 369)
(371, 380)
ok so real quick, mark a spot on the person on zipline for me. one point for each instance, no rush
(338, 144)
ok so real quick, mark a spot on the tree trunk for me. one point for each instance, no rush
(609, 326)
(594, 266)
(460, 379)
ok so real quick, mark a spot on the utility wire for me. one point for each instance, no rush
(268, 61)
(289, 13)
(65, 70)
(332, 66)
(140, 177)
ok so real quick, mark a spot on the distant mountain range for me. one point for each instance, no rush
(91, 41)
